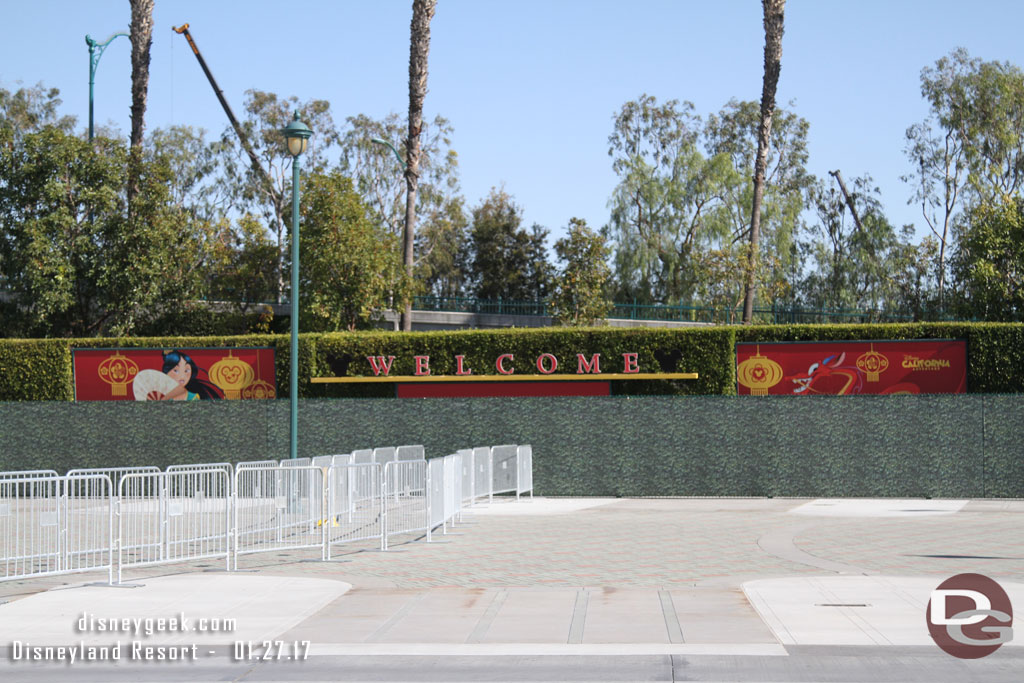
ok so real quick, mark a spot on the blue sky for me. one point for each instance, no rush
(530, 86)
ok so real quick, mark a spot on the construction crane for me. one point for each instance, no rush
(846, 196)
(254, 161)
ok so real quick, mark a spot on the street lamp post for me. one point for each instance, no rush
(401, 161)
(297, 134)
(378, 141)
(95, 52)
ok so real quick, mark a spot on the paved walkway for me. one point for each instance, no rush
(654, 589)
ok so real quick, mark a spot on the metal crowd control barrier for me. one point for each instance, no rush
(115, 474)
(278, 509)
(166, 517)
(410, 453)
(468, 480)
(435, 488)
(503, 469)
(444, 477)
(322, 461)
(79, 522)
(261, 464)
(483, 483)
(524, 470)
(405, 497)
(355, 503)
(55, 525)
(384, 455)
(28, 474)
(88, 524)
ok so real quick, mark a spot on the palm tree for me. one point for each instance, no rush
(419, 48)
(773, 27)
(141, 34)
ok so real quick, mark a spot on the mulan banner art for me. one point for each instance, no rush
(919, 366)
(173, 374)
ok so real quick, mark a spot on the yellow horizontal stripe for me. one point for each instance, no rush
(502, 378)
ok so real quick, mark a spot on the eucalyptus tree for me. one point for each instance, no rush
(440, 208)
(580, 290)
(663, 207)
(968, 151)
(265, 115)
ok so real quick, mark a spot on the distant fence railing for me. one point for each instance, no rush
(776, 315)
(115, 519)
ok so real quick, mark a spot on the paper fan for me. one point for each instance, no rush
(151, 380)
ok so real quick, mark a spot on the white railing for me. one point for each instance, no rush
(55, 525)
(405, 497)
(483, 477)
(51, 524)
(115, 473)
(166, 517)
(355, 500)
(278, 509)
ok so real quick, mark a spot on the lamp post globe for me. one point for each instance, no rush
(297, 136)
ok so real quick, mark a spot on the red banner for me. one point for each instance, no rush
(923, 366)
(173, 374)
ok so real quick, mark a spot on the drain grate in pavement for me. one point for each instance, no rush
(841, 604)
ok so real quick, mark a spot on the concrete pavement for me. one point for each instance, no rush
(570, 589)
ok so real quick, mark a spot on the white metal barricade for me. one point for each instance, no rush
(482, 473)
(503, 468)
(410, 453)
(55, 525)
(453, 487)
(168, 517)
(278, 509)
(30, 523)
(226, 466)
(322, 461)
(405, 497)
(524, 470)
(52, 525)
(468, 480)
(88, 525)
(115, 474)
(28, 474)
(384, 455)
(355, 504)
(435, 487)
(253, 464)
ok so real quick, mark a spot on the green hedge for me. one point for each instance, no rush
(41, 369)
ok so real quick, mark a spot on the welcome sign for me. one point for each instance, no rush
(501, 379)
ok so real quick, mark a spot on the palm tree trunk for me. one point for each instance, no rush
(773, 27)
(419, 48)
(141, 34)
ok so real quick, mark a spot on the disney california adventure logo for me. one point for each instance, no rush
(970, 616)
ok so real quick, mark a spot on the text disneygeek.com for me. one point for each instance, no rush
(141, 651)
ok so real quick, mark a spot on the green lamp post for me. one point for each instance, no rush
(297, 134)
(95, 52)
(378, 141)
